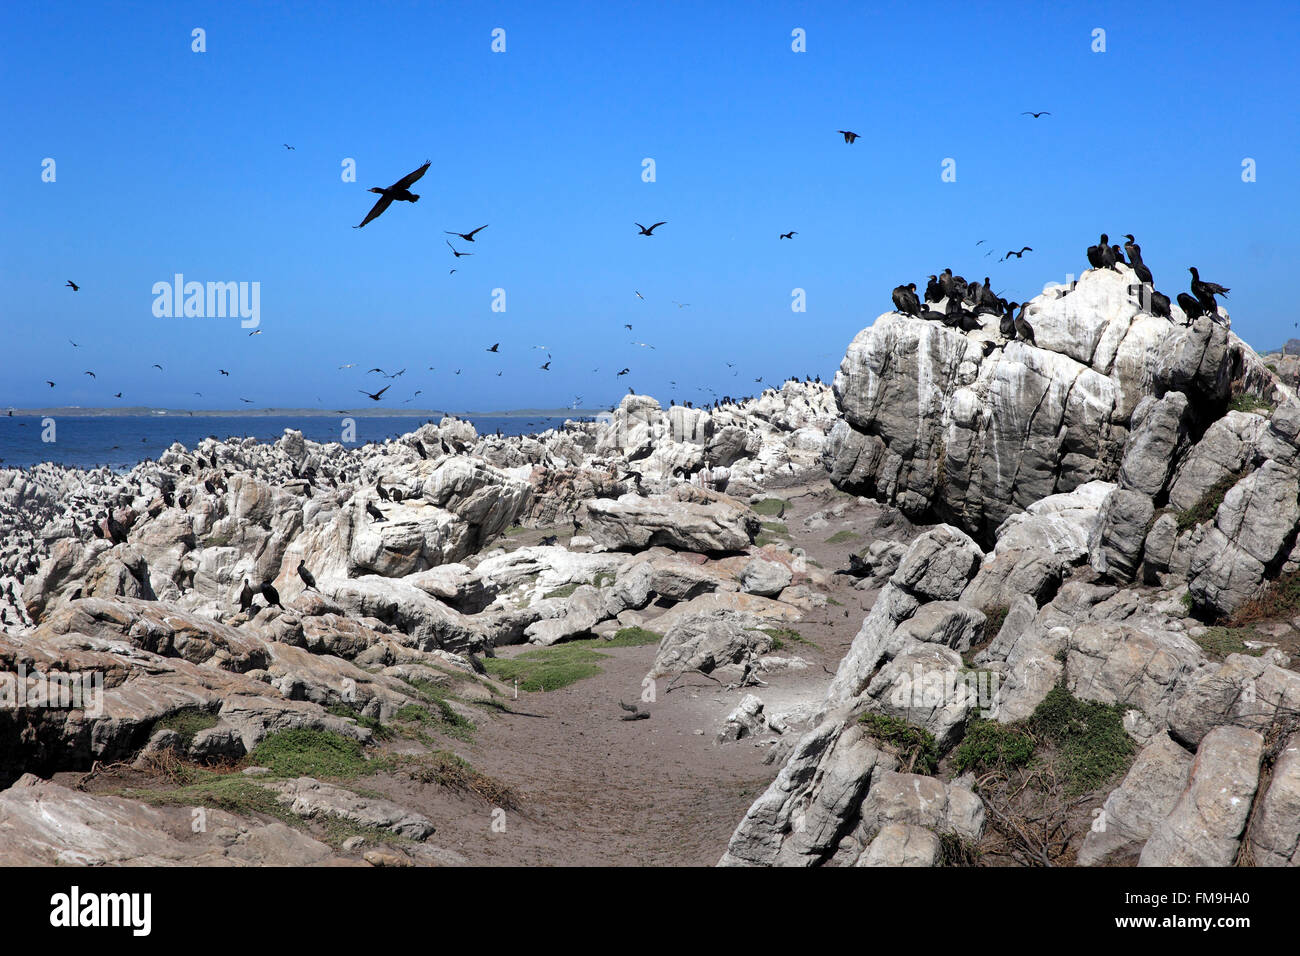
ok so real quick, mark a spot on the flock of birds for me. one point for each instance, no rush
(965, 302)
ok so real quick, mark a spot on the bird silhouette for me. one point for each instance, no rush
(789, 235)
(494, 347)
(467, 236)
(73, 286)
(849, 137)
(649, 232)
(1036, 115)
(400, 190)
(456, 252)
(1023, 250)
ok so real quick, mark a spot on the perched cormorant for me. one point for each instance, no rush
(1132, 248)
(374, 512)
(306, 575)
(1097, 253)
(272, 595)
(933, 291)
(905, 300)
(399, 190)
(246, 597)
(1007, 324)
(1190, 306)
(1206, 291)
(1023, 329)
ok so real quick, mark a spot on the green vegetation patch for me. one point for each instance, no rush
(303, 752)
(1221, 641)
(548, 668)
(632, 637)
(1208, 505)
(563, 591)
(1093, 745)
(1245, 402)
(990, 745)
(785, 635)
(187, 722)
(769, 507)
(839, 537)
(375, 726)
(915, 746)
(444, 717)
(233, 793)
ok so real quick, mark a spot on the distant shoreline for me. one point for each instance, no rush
(145, 412)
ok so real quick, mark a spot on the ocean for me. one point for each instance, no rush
(121, 442)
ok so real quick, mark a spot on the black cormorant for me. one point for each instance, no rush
(399, 190)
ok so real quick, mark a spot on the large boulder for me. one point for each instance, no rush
(716, 524)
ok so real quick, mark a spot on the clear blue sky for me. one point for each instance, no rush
(171, 161)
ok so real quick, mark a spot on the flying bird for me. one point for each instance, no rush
(255, 332)
(639, 295)
(467, 236)
(789, 235)
(74, 344)
(224, 372)
(649, 232)
(91, 374)
(624, 372)
(374, 396)
(1023, 250)
(72, 285)
(1035, 115)
(287, 146)
(457, 253)
(494, 347)
(157, 366)
(400, 190)
(849, 137)
(49, 383)
(546, 367)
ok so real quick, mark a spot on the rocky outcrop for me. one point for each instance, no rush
(1108, 392)
(713, 523)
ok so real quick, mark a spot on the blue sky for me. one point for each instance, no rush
(171, 161)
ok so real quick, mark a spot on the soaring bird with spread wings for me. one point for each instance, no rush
(399, 190)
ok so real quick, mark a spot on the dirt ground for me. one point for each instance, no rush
(596, 789)
(593, 789)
